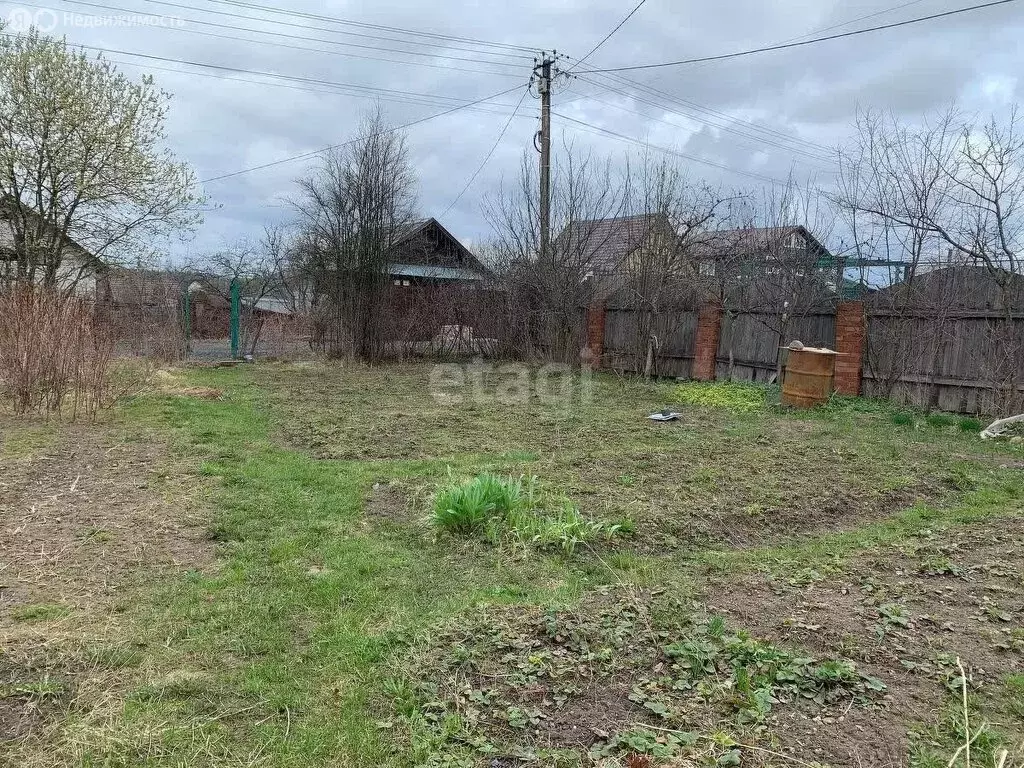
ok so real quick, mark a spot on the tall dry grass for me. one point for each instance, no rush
(55, 356)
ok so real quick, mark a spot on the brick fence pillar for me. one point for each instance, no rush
(851, 325)
(709, 328)
(595, 333)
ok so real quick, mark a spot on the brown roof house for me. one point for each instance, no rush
(427, 253)
(620, 250)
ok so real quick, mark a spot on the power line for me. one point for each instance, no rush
(811, 155)
(783, 46)
(666, 150)
(674, 100)
(624, 81)
(425, 54)
(398, 97)
(487, 157)
(241, 70)
(363, 25)
(352, 141)
(865, 17)
(609, 35)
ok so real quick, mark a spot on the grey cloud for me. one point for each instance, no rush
(810, 93)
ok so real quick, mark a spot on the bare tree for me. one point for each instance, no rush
(260, 271)
(683, 219)
(546, 297)
(948, 192)
(352, 209)
(771, 271)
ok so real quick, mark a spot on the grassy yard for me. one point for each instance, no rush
(256, 580)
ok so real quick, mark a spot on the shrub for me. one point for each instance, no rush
(968, 424)
(55, 355)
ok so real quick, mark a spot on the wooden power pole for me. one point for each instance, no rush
(543, 72)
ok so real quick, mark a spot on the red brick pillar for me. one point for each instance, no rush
(851, 325)
(595, 333)
(709, 328)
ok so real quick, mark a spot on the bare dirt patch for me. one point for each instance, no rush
(625, 673)
(904, 613)
(89, 517)
(389, 502)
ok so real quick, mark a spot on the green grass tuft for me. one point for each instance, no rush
(968, 424)
(511, 510)
(903, 419)
(40, 612)
(940, 420)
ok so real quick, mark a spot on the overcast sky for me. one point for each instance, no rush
(763, 114)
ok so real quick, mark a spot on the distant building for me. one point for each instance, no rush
(955, 289)
(78, 270)
(427, 253)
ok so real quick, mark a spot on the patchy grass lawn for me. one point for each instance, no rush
(780, 587)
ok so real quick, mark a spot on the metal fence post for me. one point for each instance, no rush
(186, 308)
(236, 313)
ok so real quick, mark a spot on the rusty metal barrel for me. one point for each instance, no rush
(810, 374)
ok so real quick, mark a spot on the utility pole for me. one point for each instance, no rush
(543, 72)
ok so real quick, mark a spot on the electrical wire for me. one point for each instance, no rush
(848, 22)
(427, 100)
(764, 140)
(667, 151)
(655, 93)
(609, 35)
(241, 70)
(783, 46)
(362, 25)
(487, 157)
(315, 152)
(197, 22)
(615, 83)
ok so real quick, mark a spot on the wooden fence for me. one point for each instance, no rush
(970, 362)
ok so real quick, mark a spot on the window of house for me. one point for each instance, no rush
(797, 240)
(707, 269)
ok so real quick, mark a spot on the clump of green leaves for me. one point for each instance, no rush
(753, 674)
(513, 510)
(470, 507)
(734, 396)
(903, 419)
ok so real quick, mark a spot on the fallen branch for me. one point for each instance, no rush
(996, 428)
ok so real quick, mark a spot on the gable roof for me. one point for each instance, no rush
(754, 240)
(7, 242)
(404, 255)
(604, 245)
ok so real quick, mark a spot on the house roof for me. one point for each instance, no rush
(754, 240)
(465, 258)
(7, 243)
(956, 288)
(437, 273)
(604, 245)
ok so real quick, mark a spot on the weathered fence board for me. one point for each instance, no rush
(964, 362)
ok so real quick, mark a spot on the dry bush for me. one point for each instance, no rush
(55, 357)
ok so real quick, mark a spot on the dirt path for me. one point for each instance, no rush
(89, 519)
